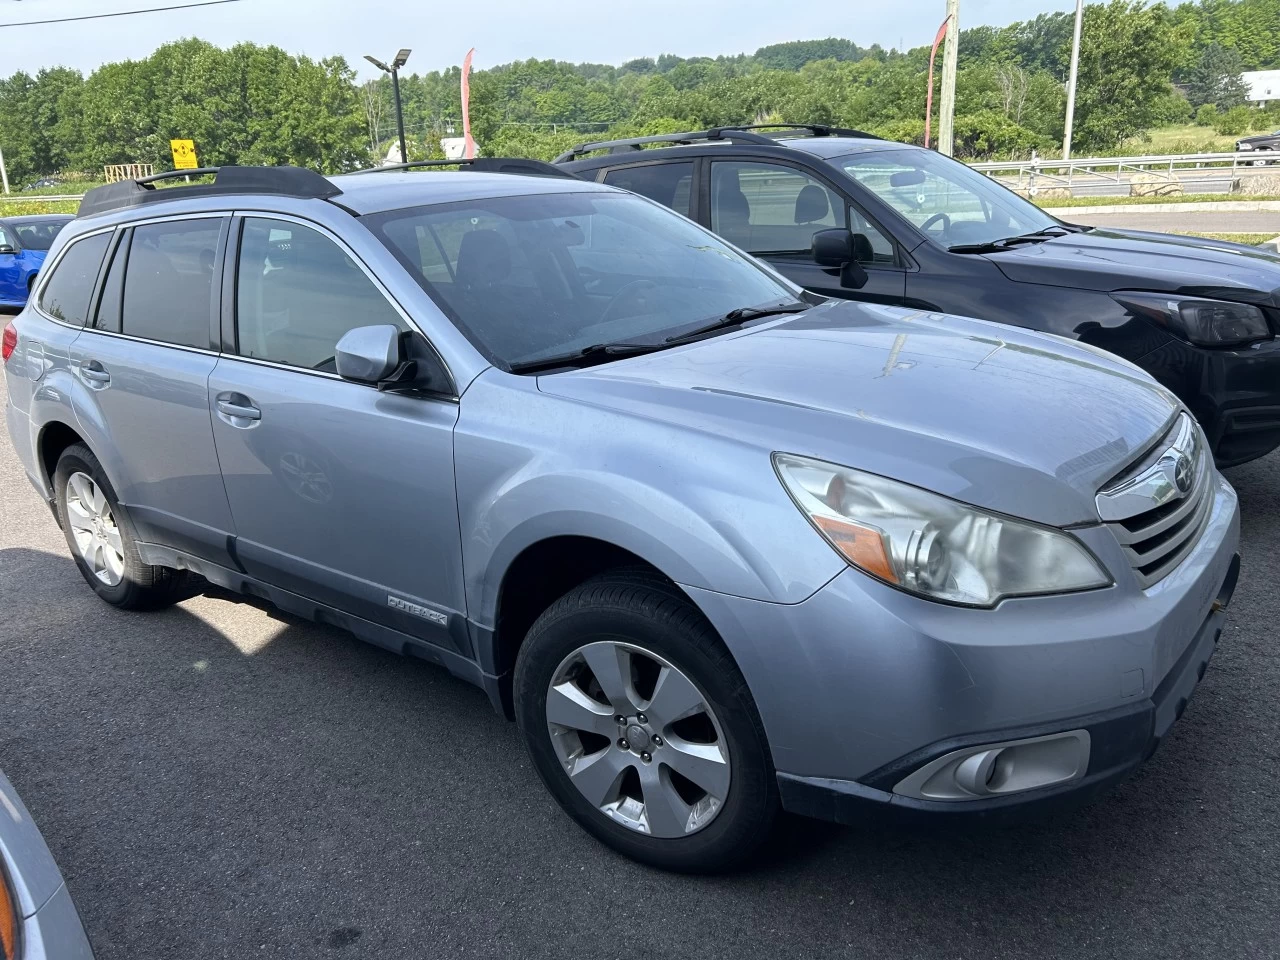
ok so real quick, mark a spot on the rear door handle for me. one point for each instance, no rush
(237, 409)
(94, 373)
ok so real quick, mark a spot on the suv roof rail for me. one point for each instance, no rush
(732, 134)
(518, 165)
(276, 181)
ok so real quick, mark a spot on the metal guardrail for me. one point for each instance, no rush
(1028, 174)
(40, 198)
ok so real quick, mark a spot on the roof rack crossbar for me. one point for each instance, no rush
(517, 165)
(275, 181)
(733, 134)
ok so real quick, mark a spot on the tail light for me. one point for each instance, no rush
(10, 342)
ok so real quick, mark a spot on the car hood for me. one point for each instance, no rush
(1108, 260)
(1023, 423)
(1259, 138)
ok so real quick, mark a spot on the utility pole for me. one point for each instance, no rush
(4, 174)
(1071, 83)
(947, 108)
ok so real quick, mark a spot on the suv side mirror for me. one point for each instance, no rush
(392, 360)
(843, 249)
(368, 354)
(7, 248)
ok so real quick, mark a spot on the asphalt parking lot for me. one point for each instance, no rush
(219, 780)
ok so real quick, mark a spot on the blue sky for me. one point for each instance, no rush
(501, 30)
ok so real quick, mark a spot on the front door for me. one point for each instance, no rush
(772, 210)
(340, 493)
(12, 290)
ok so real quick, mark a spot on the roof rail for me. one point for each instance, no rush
(276, 181)
(519, 165)
(731, 134)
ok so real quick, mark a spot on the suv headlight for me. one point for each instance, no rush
(1209, 323)
(1244, 146)
(931, 545)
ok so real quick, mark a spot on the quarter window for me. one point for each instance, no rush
(168, 285)
(668, 183)
(66, 293)
(298, 293)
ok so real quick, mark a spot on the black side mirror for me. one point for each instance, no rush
(842, 249)
(7, 248)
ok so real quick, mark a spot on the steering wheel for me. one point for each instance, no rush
(631, 295)
(946, 223)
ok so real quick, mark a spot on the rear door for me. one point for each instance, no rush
(340, 493)
(772, 209)
(144, 361)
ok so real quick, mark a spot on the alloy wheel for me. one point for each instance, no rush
(94, 529)
(638, 739)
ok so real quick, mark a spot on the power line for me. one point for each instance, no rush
(120, 13)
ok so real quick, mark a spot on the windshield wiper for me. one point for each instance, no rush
(737, 316)
(596, 353)
(1008, 243)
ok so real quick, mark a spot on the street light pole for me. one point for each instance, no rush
(1071, 83)
(947, 108)
(4, 174)
(394, 69)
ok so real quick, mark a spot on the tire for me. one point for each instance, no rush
(658, 628)
(139, 586)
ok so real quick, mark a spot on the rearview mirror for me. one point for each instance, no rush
(368, 354)
(906, 178)
(843, 249)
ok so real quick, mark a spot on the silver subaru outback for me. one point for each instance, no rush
(719, 546)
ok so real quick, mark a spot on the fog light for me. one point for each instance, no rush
(999, 769)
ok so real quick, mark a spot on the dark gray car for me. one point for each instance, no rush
(720, 546)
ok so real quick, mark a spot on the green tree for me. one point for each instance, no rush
(1216, 79)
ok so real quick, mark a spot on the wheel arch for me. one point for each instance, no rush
(53, 438)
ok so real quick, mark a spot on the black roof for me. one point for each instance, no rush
(39, 218)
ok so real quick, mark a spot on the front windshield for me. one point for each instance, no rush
(38, 234)
(950, 203)
(529, 277)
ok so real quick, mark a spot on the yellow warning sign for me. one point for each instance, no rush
(184, 154)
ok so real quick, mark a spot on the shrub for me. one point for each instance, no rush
(1235, 121)
(1207, 115)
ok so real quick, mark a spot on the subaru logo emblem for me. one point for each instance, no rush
(1182, 473)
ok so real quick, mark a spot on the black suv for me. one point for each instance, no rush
(847, 214)
(1262, 143)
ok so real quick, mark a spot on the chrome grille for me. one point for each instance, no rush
(1158, 507)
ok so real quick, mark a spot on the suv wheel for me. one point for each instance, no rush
(101, 536)
(643, 728)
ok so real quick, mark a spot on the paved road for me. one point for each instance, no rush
(218, 780)
(1189, 221)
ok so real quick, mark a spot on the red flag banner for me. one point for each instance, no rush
(466, 105)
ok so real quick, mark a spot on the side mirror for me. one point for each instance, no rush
(842, 249)
(368, 354)
(392, 360)
(7, 248)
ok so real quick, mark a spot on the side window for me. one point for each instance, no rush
(5, 239)
(882, 249)
(770, 208)
(168, 286)
(67, 291)
(112, 297)
(668, 183)
(297, 293)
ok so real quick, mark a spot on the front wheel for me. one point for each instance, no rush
(643, 728)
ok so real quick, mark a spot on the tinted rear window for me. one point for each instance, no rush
(38, 234)
(66, 294)
(668, 183)
(168, 286)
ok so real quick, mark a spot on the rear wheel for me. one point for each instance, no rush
(101, 536)
(643, 728)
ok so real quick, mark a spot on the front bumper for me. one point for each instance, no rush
(1122, 740)
(861, 684)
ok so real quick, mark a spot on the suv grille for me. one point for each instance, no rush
(1158, 508)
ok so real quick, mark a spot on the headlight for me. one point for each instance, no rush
(931, 545)
(1244, 146)
(1209, 323)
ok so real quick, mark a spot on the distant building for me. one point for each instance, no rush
(1264, 86)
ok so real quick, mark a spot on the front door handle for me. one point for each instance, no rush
(237, 409)
(94, 373)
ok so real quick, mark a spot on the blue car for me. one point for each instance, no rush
(24, 243)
